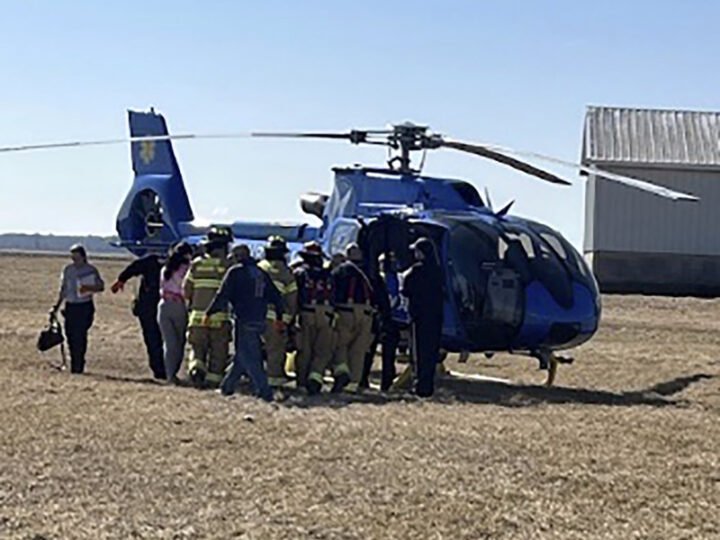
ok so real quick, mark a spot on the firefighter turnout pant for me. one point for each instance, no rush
(210, 349)
(354, 338)
(275, 351)
(315, 347)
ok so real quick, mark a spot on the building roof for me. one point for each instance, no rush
(657, 137)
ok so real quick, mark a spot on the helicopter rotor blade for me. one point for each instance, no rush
(124, 140)
(619, 178)
(300, 135)
(501, 157)
(355, 136)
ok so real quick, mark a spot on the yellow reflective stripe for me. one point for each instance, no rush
(195, 364)
(209, 263)
(277, 381)
(315, 376)
(197, 317)
(214, 378)
(352, 388)
(280, 286)
(208, 270)
(207, 284)
(272, 315)
(291, 287)
(341, 369)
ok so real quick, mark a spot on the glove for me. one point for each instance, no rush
(279, 326)
(117, 287)
(332, 319)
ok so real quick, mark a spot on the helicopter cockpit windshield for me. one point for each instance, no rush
(491, 264)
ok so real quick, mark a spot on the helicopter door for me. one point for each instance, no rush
(386, 234)
(503, 297)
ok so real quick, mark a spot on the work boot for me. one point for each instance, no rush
(313, 387)
(341, 381)
(197, 377)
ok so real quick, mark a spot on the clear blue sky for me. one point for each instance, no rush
(518, 73)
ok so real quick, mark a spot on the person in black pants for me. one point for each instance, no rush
(422, 288)
(145, 306)
(78, 283)
(385, 330)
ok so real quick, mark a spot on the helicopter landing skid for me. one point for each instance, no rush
(550, 361)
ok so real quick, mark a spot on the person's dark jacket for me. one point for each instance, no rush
(148, 269)
(423, 288)
(249, 290)
(381, 296)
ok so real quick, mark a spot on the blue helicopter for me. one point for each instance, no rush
(511, 284)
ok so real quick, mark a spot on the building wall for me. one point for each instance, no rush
(627, 219)
(657, 273)
(642, 243)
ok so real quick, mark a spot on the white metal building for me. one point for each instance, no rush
(637, 241)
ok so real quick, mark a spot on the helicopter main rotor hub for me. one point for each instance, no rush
(406, 138)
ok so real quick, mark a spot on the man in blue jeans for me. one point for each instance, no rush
(249, 290)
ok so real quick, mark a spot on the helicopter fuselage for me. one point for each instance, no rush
(510, 284)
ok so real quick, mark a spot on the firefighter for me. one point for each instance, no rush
(276, 337)
(336, 260)
(353, 296)
(209, 338)
(422, 287)
(316, 320)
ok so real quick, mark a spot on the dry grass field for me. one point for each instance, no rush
(626, 446)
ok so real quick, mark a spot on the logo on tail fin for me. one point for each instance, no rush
(147, 151)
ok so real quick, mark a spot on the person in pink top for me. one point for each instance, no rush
(172, 311)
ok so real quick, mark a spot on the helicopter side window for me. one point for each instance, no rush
(555, 244)
(516, 257)
(522, 239)
(544, 264)
(344, 233)
(566, 252)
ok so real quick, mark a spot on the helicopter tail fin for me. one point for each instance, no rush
(152, 214)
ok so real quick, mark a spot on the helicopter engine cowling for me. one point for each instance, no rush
(314, 204)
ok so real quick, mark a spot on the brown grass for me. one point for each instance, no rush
(627, 445)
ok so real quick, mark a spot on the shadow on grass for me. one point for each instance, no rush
(453, 389)
(509, 395)
(458, 390)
